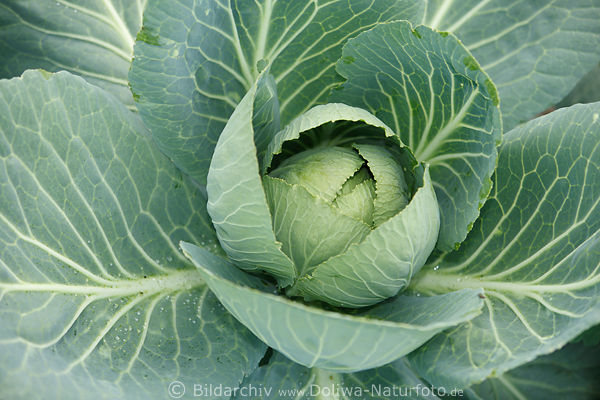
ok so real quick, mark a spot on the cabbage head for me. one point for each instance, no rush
(345, 208)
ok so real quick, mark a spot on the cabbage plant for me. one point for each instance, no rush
(299, 199)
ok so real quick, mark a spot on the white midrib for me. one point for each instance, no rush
(467, 16)
(329, 380)
(263, 33)
(438, 139)
(439, 15)
(141, 7)
(176, 281)
(434, 281)
(120, 25)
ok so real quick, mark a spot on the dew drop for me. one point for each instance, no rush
(436, 267)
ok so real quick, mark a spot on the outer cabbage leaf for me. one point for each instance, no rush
(94, 295)
(197, 59)
(572, 372)
(237, 203)
(283, 379)
(534, 50)
(431, 91)
(90, 38)
(331, 340)
(535, 251)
